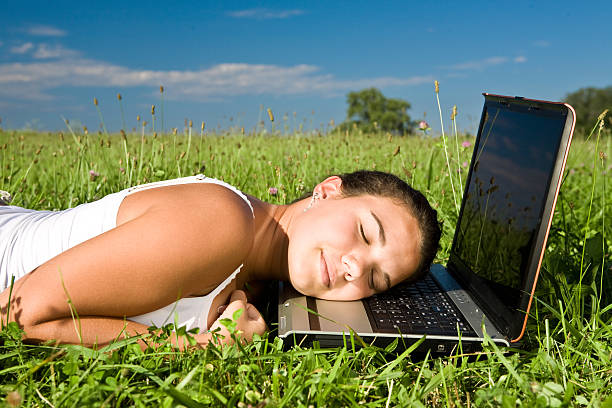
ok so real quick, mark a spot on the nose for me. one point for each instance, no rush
(352, 267)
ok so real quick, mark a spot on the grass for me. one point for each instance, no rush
(565, 359)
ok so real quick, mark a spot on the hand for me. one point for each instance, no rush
(249, 322)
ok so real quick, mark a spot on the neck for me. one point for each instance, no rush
(267, 259)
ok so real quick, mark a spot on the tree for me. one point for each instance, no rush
(589, 103)
(371, 111)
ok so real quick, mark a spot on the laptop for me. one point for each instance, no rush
(489, 280)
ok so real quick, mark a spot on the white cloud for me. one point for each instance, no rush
(23, 48)
(520, 59)
(478, 65)
(541, 43)
(45, 31)
(44, 51)
(34, 80)
(265, 14)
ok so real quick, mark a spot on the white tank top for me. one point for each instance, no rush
(29, 238)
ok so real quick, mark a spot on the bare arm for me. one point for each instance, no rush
(92, 331)
(179, 247)
(99, 331)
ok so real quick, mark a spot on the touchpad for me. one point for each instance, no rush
(336, 316)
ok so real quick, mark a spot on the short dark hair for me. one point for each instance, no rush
(378, 183)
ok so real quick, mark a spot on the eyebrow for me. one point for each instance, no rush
(381, 230)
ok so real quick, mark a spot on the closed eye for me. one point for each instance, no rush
(363, 234)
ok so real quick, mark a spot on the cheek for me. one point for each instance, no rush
(300, 269)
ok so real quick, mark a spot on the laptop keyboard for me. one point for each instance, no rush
(417, 308)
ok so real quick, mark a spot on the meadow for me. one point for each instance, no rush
(564, 360)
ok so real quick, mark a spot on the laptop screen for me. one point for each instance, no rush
(508, 185)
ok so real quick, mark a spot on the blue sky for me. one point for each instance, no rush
(221, 62)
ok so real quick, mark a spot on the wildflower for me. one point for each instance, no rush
(161, 89)
(270, 115)
(466, 144)
(118, 96)
(464, 164)
(423, 125)
(96, 101)
(152, 109)
(5, 197)
(437, 86)
(13, 399)
(203, 126)
(273, 191)
(396, 151)
(93, 175)
(121, 170)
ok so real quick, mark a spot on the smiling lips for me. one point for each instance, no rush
(326, 275)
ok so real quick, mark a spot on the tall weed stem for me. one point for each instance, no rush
(450, 174)
(599, 126)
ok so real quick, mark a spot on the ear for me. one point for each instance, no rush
(331, 187)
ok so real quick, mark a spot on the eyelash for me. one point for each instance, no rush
(371, 270)
(363, 234)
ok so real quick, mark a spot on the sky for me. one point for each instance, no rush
(226, 63)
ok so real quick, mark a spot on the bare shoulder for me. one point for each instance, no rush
(203, 215)
(207, 214)
(197, 200)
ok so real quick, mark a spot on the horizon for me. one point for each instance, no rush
(226, 65)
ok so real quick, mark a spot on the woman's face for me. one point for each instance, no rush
(351, 248)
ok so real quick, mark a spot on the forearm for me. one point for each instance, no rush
(99, 331)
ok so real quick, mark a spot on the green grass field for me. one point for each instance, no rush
(565, 360)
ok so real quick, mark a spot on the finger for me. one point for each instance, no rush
(256, 320)
(233, 306)
(238, 295)
(252, 312)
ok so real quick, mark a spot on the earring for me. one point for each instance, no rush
(314, 198)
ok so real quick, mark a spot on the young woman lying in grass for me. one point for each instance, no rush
(186, 248)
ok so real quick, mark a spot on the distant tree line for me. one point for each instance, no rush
(589, 103)
(370, 111)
